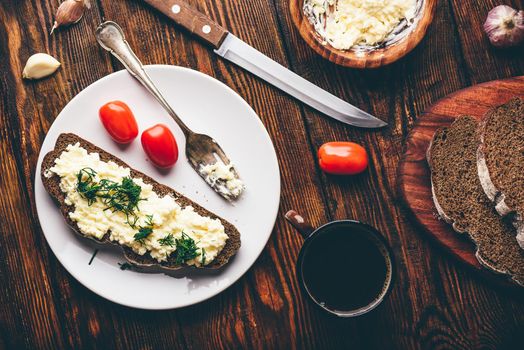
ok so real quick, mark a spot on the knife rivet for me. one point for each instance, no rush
(175, 9)
(206, 29)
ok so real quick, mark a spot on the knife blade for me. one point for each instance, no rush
(237, 51)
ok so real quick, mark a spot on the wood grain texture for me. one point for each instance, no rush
(192, 20)
(364, 59)
(414, 174)
(435, 302)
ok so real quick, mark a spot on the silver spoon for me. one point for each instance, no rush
(201, 150)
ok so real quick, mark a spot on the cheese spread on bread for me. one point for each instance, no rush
(164, 213)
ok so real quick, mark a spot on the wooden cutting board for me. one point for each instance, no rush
(414, 177)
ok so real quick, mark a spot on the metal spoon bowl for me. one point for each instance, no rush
(201, 150)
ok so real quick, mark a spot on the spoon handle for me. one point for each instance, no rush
(111, 37)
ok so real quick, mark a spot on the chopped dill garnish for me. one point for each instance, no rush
(167, 240)
(123, 197)
(203, 256)
(186, 249)
(132, 221)
(145, 231)
(93, 257)
(125, 266)
(86, 186)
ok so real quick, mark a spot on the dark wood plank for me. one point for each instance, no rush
(38, 294)
(389, 93)
(436, 302)
(482, 61)
(399, 93)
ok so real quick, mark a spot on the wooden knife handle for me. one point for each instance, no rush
(191, 19)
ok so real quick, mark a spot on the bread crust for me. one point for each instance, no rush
(442, 214)
(493, 193)
(440, 211)
(148, 263)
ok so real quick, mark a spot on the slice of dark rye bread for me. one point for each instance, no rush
(460, 200)
(500, 161)
(52, 186)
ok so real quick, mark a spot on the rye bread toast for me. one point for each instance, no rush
(460, 200)
(500, 161)
(52, 186)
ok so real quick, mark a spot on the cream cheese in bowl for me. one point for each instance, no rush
(350, 24)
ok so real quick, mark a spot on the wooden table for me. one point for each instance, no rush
(436, 302)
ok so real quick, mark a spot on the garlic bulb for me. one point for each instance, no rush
(69, 12)
(40, 65)
(505, 26)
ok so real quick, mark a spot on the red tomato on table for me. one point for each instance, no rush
(342, 158)
(160, 146)
(119, 121)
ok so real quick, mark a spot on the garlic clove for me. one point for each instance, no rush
(505, 26)
(69, 12)
(40, 65)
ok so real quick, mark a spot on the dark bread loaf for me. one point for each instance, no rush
(52, 186)
(460, 200)
(500, 161)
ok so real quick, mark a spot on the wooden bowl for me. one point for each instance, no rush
(372, 58)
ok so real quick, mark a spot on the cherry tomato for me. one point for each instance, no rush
(342, 158)
(119, 121)
(160, 146)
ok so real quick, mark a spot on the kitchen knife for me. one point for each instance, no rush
(235, 50)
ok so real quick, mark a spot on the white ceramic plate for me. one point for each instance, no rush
(207, 106)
